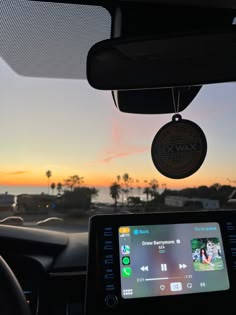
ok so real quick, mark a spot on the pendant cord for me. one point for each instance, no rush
(176, 106)
(173, 97)
(178, 101)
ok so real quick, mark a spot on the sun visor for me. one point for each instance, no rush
(50, 40)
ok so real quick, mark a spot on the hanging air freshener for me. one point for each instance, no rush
(179, 147)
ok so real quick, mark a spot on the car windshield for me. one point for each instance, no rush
(69, 153)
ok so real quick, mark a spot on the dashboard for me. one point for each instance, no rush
(50, 266)
(126, 262)
(148, 261)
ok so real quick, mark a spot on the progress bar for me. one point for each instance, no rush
(154, 279)
(166, 278)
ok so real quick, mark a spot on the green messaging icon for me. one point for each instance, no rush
(126, 260)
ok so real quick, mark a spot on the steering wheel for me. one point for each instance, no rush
(12, 298)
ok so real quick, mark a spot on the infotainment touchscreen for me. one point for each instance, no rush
(171, 259)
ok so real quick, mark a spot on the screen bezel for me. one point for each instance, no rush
(98, 222)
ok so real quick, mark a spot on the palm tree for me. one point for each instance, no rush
(48, 174)
(127, 180)
(53, 186)
(115, 190)
(138, 188)
(163, 186)
(154, 187)
(73, 181)
(59, 188)
(147, 191)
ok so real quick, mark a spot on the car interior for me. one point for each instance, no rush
(146, 58)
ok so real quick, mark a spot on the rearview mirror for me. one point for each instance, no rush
(166, 61)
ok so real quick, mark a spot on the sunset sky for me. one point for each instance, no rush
(69, 128)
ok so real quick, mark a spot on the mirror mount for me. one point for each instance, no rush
(154, 101)
(152, 19)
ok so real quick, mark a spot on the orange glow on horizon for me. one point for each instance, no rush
(106, 181)
(98, 177)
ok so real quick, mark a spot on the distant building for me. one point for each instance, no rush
(7, 202)
(175, 201)
(181, 202)
(231, 203)
(28, 202)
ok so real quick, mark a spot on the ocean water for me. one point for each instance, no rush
(103, 195)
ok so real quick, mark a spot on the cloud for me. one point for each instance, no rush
(116, 134)
(18, 173)
(123, 154)
(121, 141)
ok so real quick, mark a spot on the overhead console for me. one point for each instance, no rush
(177, 261)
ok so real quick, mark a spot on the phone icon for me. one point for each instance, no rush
(126, 272)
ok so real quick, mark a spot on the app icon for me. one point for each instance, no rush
(128, 292)
(126, 260)
(126, 272)
(125, 250)
(124, 230)
(176, 286)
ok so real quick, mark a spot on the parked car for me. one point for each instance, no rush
(12, 220)
(50, 221)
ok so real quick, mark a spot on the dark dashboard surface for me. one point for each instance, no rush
(50, 266)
